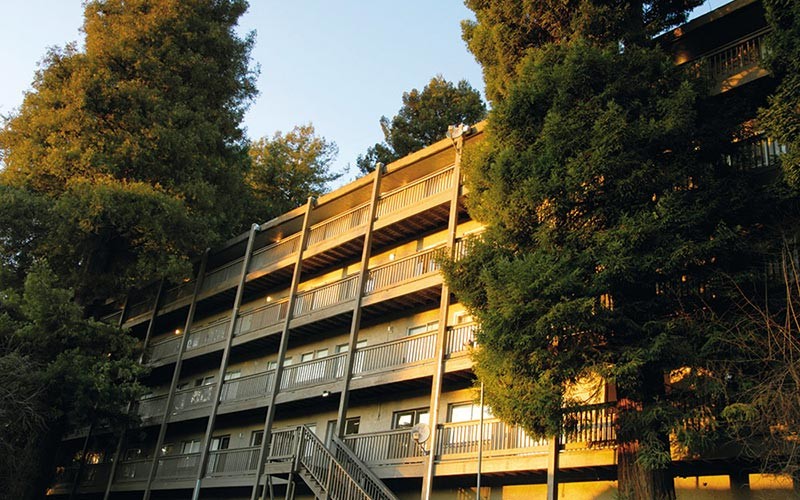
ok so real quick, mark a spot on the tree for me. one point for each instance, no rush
(287, 169)
(423, 119)
(782, 117)
(59, 370)
(132, 150)
(609, 218)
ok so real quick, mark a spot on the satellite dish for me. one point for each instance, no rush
(420, 433)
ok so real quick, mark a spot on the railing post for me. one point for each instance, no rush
(284, 344)
(553, 449)
(223, 367)
(355, 324)
(444, 308)
(176, 374)
(145, 346)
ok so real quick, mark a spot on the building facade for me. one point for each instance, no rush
(329, 330)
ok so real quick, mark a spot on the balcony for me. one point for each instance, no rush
(207, 335)
(232, 463)
(387, 448)
(93, 478)
(737, 63)
(164, 349)
(339, 225)
(264, 259)
(178, 467)
(415, 192)
(193, 399)
(315, 372)
(132, 471)
(246, 388)
(152, 407)
(333, 294)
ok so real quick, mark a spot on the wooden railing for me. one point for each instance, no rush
(593, 426)
(313, 372)
(164, 349)
(178, 292)
(92, 475)
(234, 462)
(358, 471)
(274, 252)
(140, 308)
(756, 152)
(498, 438)
(261, 317)
(386, 447)
(415, 192)
(244, 388)
(132, 470)
(324, 296)
(207, 334)
(151, 407)
(745, 53)
(338, 225)
(283, 443)
(112, 319)
(227, 272)
(460, 338)
(407, 268)
(182, 466)
(395, 353)
(190, 399)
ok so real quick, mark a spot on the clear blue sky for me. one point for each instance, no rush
(338, 64)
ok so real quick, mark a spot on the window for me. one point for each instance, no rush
(256, 438)
(190, 446)
(465, 412)
(232, 375)
(133, 454)
(431, 326)
(346, 347)
(462, 317)
(410, 418)
(272, 365)
(217, 461)
(351, 426)
(306, 356)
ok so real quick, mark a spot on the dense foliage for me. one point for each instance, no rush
(129, 155)
(287, 169)
(423, 119)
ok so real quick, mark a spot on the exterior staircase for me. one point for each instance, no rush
(334, 473)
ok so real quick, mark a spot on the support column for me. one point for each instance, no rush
(276, 382)
(740, 485)
(145, 344)
(162, 431)
(441, 335)
(355, 324)
(223, 367)
(553, 449)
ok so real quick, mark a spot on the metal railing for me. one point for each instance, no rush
(386, 448)
(338, 225)
(459, 338)
(151, 407)
(227, 272)
(244, 388)
(191, 399)
(164, 349)
(207, 334)
(413, 266)
(182, 466)
(395, 353)
(274, 252)
(132, 471)
(415, 192)
(324, 296)
(233, 462)
(737, 56)
(261, 317)
(313, 372)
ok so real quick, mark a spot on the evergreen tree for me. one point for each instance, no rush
(287, 169)
(610, 219)
(423, 119)
(131, 150)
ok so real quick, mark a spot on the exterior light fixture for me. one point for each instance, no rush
(325, 394)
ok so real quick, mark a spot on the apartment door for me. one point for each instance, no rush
(216, 460)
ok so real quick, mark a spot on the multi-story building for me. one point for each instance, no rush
(329, 330)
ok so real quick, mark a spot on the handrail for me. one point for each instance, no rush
(227, 271)
(261, 317)
(232, 461)
(315, 371)
(331, 294)
(726, 61)
(395, 353)
(386, 447)
(459, 338)
(208, 334)
(267, 254)
(418, 190)
(400, 270)
(239, 389)
(183, 466)
(193, 397)
(360, 472)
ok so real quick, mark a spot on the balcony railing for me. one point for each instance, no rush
(324, 296)
(498, 438)
(178, 292)
(194, 398)
(112, 319)
(745, 53)
(207, 334)
(164, 349)
(756, 152)
(176, 467)
(223, 274)
(282, 444)
(262, 317)
(460, 338)
(132, 470)
(274, 252)
(93, 475)
(140, 308)
(244, 388)
(415, 192)
(151, 407)
(340, 224)
(313, 372)
(395, 353)
(386, 448)
(235, 462)
(593, 426)
(407, 268)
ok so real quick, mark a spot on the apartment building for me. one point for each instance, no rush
(321, 354)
